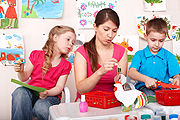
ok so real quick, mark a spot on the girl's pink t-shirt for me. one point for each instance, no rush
(106, 83)
(50, 79)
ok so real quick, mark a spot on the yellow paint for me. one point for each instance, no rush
(141, 32)
(139, 102)
(9, 43)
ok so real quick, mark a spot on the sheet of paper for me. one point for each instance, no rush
(11, 47)
(87, 10)
(36, 89)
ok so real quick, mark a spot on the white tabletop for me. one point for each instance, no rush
(70, 111)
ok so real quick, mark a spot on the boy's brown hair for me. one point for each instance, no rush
(157, 25)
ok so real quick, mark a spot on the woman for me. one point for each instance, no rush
(95, 62)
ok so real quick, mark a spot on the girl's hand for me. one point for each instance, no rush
(150, 82)
(18, 67)
(43, 95)
(107, 66)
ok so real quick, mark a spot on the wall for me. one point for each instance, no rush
(33, 29)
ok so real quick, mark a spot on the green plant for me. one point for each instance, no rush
(178, 34)
(177, 57)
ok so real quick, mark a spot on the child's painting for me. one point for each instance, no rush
(130, 42)
(87, 10)
(176, 41)
(11, 47)
(8, 14)
(154, 5)
(142, 20)
(42, 8)
(79, 41)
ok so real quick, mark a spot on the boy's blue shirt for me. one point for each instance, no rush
(161, 66)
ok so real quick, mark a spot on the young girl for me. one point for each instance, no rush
(48, 69)
(95, 61)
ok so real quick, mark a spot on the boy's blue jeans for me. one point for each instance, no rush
(25, 104)
(148, 92)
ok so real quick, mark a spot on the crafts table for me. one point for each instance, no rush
(70, 111)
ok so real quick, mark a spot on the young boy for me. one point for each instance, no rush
(154, 62)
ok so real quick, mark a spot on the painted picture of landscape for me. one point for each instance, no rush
(42, 8)
(11, 47)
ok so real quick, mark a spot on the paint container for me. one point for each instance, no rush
(145, 117)
(162, 114)
(173, 117)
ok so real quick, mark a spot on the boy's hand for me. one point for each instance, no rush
(43, 95)
(150, 82)
(176, 81)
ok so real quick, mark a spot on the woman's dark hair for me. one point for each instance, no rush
(102, 16)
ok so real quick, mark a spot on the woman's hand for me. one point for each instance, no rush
(108, 65)
(117, 77)
(43, 95)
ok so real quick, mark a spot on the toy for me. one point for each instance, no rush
(20, 60)
(128, 98)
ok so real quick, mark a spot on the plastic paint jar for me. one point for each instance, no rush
(145, 117)
(173, 117)
(162, 114)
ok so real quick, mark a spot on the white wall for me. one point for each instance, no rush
(33, 29)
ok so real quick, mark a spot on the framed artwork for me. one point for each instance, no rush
(176, 41)
(129, 42)
(142, 20)
(42, 8)
(87, 10)
(8, 14)
(154, 5)
(79, 42)
(11, 47)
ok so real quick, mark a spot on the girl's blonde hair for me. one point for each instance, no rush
(48, 47)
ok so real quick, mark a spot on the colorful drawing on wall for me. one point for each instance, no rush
(129, 42)
(155, 5)
(8, 14)
(42, 8)
(11, 46)
(176, 41)
(87, 10)
(79, 41)
(142, 20)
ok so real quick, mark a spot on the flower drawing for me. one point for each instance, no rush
(83, 6)
(111, 6)
(95, 13)
(83, 22)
